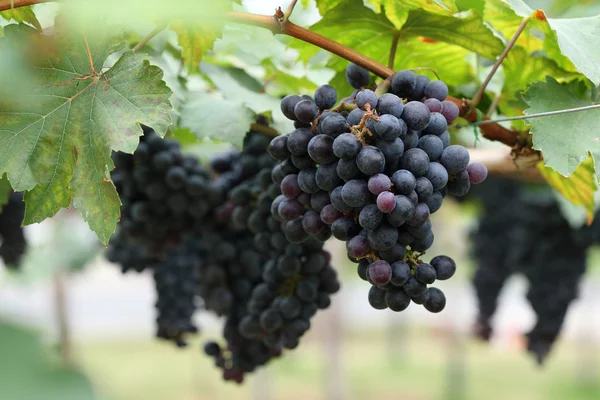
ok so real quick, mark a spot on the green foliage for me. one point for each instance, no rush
(22, 14)
(5, 190)
(57, 141)
(195, 41)
(566, 139)
(578, 38)
(28, 374)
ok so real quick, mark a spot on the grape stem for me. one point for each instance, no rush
(477, 98)
(9, 4)
(289, 10)
(151, 35)
(538, 115)
(393, 50)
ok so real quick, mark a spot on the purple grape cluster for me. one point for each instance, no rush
(370, 172)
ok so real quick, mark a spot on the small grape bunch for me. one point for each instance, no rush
(373, 176)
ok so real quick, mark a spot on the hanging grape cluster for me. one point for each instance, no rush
(370, 172)
(522, 230)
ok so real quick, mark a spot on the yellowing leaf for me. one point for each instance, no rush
(578, 188)
(22, 14)
(195, 41)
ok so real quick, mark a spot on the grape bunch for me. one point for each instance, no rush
(272, 287)
(371, 177)
(163, 192)
(12, 236)
(523, 231)
(176, 282)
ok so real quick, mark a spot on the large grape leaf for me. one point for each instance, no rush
(195, 41)
(28, 374)
(578, 38)
(372, 34)
(22, 14)
(211, 117)
(578, 188)
(564, 139)
(391, 7)
(56, 143)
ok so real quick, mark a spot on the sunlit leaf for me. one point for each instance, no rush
(22, 14)
(195, 41)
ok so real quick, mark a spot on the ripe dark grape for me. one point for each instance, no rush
(366, 97)
(455, 159)
(358, 246)
(416, 115)
(449, 110)
(436, 90)
(325, 97)
(346, 146)
(416, 161)
(288, 105)
(432, 145)
(400, 273)
(436, 300)
(404, 83)
(386, 202)
(297, 141)
(320, 149)
(437, 175)
(390, 104)
(289, 186)
(355, 116)
(437, 124)
(404, 181)
(397, 299)
(445, 267)
(379, 183)
(278, 147)
(425, 273)
(389, 127)
(420, 84)
(377, 298)
(370, 160)
(370, 217)
(434, 105)
(356, 76)
(355, 193)
(380, 272)
(477, 172)
(306, 111)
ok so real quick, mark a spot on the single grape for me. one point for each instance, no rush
(411, 140)
(382, 238)
(271, 320)
(176, 177)
(344, 228)
(437, 175)
(370, 217)
(319, 200)
(278, 147)
(377, 298)
(432, 145)
(379, 183)
(415, 115)
(445, 267)
(415, 161)
(333, 125)
(404, 181)
(320, 149)
(357, 76)
(329, 214)
(290, 209)
(437, 124)
(346, 146)
(455, 159)
(400, 273)
(364, 97)
(380, 272)
(358, 246)
(289, 186)
(433, 104)
(370, 160)
(391, 104)
(436, 90)
(422, 244)
(449, 110)
(425, 273)
(297, 141)
(288, 104)
(362, 267)
(392, 150)
(306, 111)
(325, 97)
(413, 287)
(312, 223)
(347, 169)
(436, 301)
(389, 127)
(355, 117)
(386, 202)
(477, 172)
(396, 299)
(404, 83)
(338, 201)
(420, 216)
(355, 193)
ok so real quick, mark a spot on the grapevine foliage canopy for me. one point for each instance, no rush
(57, 139)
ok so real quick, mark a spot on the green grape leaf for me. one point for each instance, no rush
(465, 29)
(578, 189)
(577, 38)
(563, 139)
(195, 41)
(521, 69)
(22, 14)
(211, 117)
(5, 190)
(326, 5)
(393, 7)
(184, 136)
(29, 374)
(56, 143)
